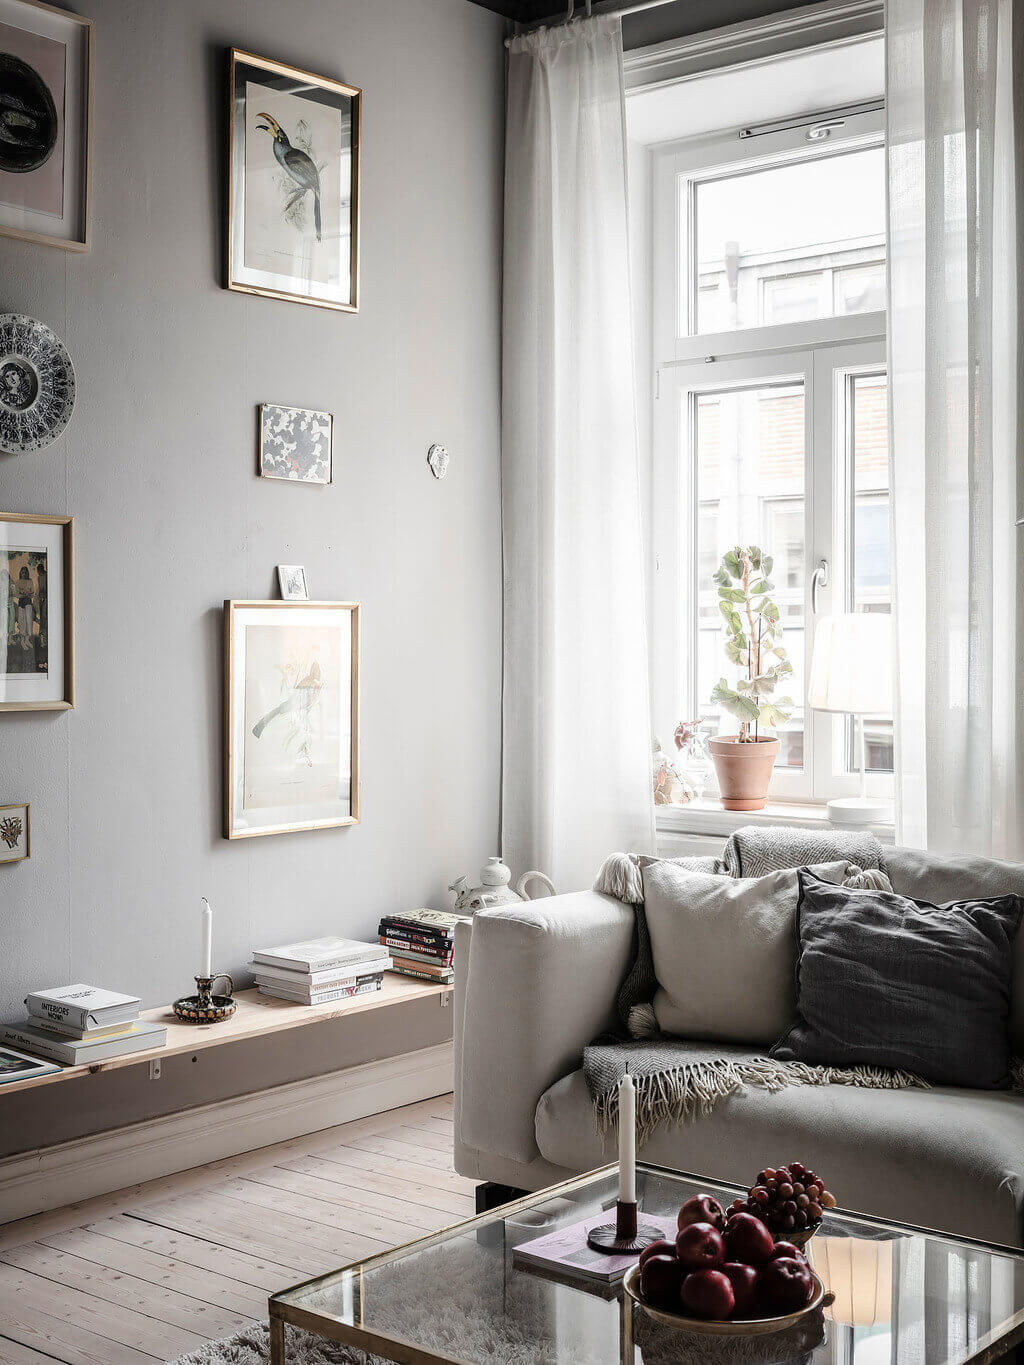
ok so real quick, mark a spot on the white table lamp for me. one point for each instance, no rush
(851, 673)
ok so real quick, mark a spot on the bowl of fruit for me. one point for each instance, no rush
(789, 1200)
(725, 1275)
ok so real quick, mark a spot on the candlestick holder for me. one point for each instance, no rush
(625, 1235)
(204, 1007)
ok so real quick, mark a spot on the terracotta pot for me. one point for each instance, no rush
(744, 770)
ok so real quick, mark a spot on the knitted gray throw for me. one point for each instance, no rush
(676, 1080)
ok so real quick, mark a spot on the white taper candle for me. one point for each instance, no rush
(207, 938)
(627, 1140)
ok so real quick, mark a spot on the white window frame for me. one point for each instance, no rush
(821, 354)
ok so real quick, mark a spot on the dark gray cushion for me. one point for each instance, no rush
(884, 980)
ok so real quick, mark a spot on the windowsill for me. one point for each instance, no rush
(707, 817)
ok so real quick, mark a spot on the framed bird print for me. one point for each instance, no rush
(37, 583)
(45, 124)
(293, 184)
(291, 694)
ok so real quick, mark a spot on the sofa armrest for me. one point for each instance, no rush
(541, 983)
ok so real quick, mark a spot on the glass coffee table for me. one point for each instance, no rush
(903, 1295)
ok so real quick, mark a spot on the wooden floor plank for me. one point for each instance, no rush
(424, 1137)
(333, 1197)
(109, 1320)
(66, 1341)
(403, 1151)
(260, 1272)
(386, 1228)
(204, 1286)
(403, 1169)
(115, 1286)
(13, 1353)
(326, 1173)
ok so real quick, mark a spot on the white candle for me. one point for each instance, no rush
(627, 1140)
(207, 937)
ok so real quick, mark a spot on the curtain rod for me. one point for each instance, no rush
(606, 9)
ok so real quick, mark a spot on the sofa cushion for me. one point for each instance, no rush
(724, 950)
(887, 980)
(939, 878)
(941, 1158)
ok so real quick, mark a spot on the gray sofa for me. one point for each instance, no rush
(536, 982)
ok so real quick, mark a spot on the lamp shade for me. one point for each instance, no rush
(851, 669)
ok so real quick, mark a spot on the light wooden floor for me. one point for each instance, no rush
(153, 1272)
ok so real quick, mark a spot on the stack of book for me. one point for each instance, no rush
(421, 943)
(78, 1025)
(320, 970)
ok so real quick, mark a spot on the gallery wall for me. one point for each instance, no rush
(158, 468)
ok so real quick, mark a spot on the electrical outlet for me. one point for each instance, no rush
(154, 1069)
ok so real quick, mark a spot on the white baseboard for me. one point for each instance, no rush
(51, 1177)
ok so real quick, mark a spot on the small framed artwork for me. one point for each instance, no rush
(37, 605)
(293, 184)
(296, 444)
(15, 841)
(45, 124)
(291, 683)
(291, 579)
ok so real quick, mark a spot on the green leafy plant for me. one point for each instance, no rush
(754, 629)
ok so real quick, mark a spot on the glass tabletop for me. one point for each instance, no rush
(903, 1296)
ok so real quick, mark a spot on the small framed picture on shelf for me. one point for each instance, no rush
(291, 677)
(37, 611)
(15, 839)
(296, 444)
(45, 124)
(19, 1066)
(291, 579)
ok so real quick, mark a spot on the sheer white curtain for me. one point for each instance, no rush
(576, 759)
(954, 296)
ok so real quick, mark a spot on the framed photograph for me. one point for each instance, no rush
(15, 841)
(19, 1066)
(37, 612)
(46, 124)
(296, 444)
(293, 184)
(291, 681)
(291, 579)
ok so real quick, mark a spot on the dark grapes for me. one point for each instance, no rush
(788, 1198)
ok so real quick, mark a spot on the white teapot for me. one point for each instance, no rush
(495, 889)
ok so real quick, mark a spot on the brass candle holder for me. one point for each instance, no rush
(205, 1007)
(626, 1235)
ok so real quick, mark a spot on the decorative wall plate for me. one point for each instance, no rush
(37, 384)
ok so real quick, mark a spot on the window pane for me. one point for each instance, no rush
(750, 491)
(871, 587)
(791, 243)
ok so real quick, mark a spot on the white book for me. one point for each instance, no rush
(333, 976)
(86, 1007)
(362, 987)
(319, 954)
(60, 1029)
(69, 1052)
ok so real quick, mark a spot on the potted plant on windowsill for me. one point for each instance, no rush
(744, 762)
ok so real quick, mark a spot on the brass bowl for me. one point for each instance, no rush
(801, 1238)
(730, 1327)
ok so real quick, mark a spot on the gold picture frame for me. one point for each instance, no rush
(323, 92)
(309, 779)
(6, 846)
(49, 24)
(16, 681)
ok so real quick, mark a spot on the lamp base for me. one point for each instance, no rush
(860, 810)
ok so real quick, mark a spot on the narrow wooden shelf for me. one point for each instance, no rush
(255, 1016)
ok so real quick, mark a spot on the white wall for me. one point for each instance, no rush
(157, 467)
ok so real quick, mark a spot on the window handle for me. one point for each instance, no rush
(819, 579)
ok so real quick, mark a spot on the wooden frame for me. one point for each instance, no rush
(84, 242)
(26, 807)
(241, 56)
(68, 581)
(231, 757)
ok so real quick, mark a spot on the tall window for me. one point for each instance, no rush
(770, 413)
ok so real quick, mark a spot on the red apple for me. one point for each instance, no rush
(789, 1250)
(743, 1279)
(700, 1247)
(659, 1248)
(748, 1240)
(786, 1284)
(701, 1209)
(661, 1279)
(708, 1294)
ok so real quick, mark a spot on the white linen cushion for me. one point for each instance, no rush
(725, 950)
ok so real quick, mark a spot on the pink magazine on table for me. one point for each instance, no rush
(565, 1251)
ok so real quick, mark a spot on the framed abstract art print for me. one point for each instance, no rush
(293, 184)
(45, 124)
(291, 682)
(37, 605)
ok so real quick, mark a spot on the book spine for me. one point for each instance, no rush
(60, 1013)
(49, 1048)
(397, 931)
(328, 964)
(445, 979)
(324, 997)
(315, 981)
(412, 949)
